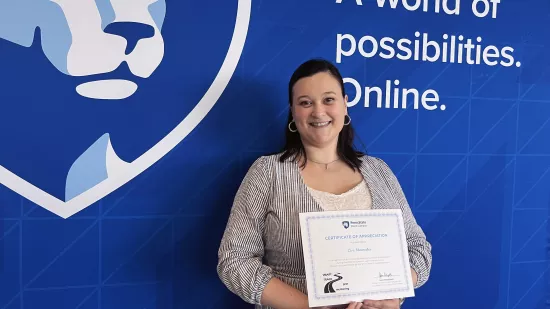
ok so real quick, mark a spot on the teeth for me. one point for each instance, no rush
(320, 124)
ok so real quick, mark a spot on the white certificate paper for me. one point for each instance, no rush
(355, 255)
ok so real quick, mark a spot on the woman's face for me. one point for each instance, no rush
(319, 109)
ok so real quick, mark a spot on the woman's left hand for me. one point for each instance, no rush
(381, 304)
(352, 305)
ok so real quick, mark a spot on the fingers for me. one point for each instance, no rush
(381, 304)
(372, 305)
(355, 305)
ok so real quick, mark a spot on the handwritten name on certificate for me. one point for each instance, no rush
(355, 255)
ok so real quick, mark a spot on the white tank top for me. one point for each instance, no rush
(357, 197)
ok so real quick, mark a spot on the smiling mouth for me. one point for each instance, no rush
(320, 124)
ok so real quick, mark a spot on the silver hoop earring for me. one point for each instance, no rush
(290, 129)
(348, 120)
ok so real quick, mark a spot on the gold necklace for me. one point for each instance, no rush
(326, 164)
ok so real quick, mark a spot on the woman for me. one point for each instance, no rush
(260, 256)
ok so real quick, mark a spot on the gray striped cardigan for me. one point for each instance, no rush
(262, 237)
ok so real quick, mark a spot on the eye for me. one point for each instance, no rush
(329, 100)
(304, 103)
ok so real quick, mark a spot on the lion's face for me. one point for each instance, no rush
(91, 38)
(57, 56)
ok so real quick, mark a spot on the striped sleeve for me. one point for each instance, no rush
(420, 250)
(240, 265)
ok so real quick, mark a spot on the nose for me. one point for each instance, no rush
(318, 109)
(131, 31)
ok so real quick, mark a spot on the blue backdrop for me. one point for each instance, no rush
(93, 218)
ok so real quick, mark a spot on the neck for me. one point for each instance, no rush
(325, 154)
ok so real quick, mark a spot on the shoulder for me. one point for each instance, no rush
(379, 169)
(263, 174)
(266, 163)
(265, 166)
(374, 163)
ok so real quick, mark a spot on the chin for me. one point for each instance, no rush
(320, 142)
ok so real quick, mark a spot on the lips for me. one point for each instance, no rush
(319, 124)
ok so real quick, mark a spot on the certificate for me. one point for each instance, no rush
(355, 255)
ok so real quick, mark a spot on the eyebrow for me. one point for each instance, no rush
(306, 96)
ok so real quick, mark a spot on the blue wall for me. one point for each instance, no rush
(143, 228)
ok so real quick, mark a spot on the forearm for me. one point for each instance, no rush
(420, 260)
(414, 277)
(280, 295)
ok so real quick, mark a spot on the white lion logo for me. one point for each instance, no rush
(108, 46)
(91, 37)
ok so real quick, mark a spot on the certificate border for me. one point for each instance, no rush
(368, 213)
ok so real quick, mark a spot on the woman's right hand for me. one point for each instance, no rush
(353, 305)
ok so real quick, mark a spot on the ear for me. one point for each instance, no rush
(291, 108)
(346, 103)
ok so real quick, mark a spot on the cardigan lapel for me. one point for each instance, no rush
(307, 202)
(381, 197)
